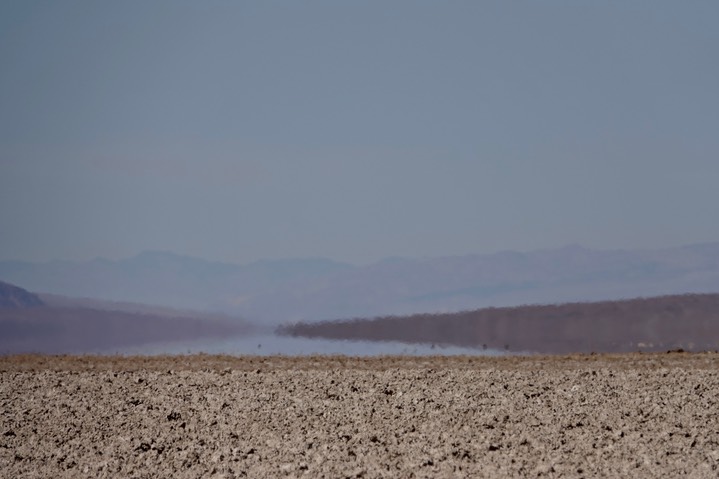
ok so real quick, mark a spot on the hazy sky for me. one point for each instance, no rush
(355, 130)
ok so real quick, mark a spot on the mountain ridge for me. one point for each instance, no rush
(309, 289)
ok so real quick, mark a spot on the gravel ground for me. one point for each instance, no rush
(217, 416)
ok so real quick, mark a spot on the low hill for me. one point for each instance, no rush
(14, 297)
(689, 322)
(60, 325)
(52, 330)
(55, 300)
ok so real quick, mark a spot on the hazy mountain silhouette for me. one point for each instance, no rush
(280, 291)
(573, 273)
(162, 278)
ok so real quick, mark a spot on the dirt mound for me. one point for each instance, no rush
(623, 416)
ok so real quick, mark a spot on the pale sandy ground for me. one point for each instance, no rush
(209, 416)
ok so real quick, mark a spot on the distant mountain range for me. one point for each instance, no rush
(166, 279)
(281, 291)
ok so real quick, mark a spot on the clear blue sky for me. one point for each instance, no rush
(355, 130)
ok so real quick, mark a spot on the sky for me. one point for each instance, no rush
(236, 131)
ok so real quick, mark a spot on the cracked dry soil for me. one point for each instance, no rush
(210, 416)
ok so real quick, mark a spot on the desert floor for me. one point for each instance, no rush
(642, 415)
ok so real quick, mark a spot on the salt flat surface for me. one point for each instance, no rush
(271, 344)
(335, 416)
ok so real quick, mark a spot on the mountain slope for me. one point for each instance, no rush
(14, 297)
